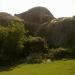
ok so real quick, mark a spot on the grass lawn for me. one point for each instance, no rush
(53, 68)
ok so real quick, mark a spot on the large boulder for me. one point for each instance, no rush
(6, 19)
(59, 32)
(34, 17)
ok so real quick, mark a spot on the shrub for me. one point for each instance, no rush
(34, 58)
(35, 45)
(11, 41)
(59, 53)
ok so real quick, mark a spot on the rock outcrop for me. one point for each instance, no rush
(34, 17)
(6, 18)
(59, 32)
(39, 21)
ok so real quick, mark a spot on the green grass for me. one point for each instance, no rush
(53, 68)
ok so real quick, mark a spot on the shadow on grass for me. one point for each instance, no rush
(9, 67)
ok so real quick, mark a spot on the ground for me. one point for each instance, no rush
(64, 67)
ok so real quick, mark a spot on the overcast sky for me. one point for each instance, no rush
(59, 8)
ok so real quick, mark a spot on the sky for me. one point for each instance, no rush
(59, 8)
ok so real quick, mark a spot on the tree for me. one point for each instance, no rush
(11, 41)
(35, 48)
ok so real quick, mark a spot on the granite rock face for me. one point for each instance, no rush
(59, 32)
(6, 18)
(34, 17)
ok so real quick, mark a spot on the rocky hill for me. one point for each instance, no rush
(59, 32)
(34, 17)
(46, 37)
(40, 22)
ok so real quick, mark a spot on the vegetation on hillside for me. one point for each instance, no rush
(48, 38)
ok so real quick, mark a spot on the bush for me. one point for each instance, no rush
(59, 53)
(34, 58)
(35, 45)
(11, 41)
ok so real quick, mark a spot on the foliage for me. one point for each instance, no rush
(59, 53)
(34, 58)
(11, 41)
(33, 47)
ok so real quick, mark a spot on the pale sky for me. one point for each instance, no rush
(59, 8)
